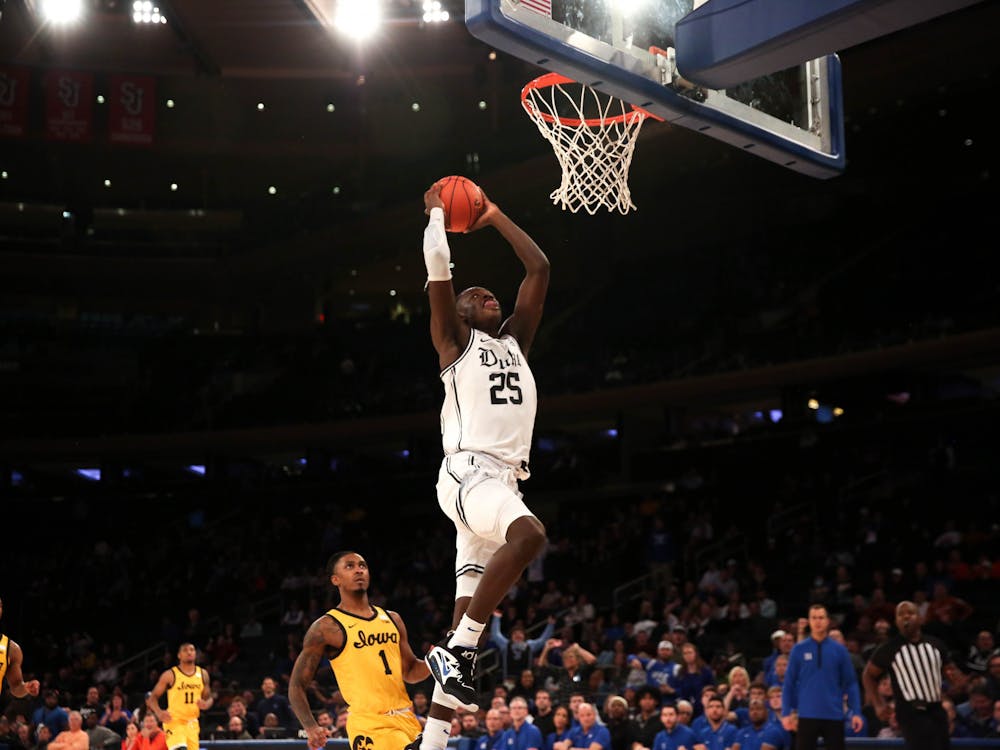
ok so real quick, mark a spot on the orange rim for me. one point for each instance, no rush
(554, 79)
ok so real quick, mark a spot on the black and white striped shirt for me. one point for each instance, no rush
(915, 668)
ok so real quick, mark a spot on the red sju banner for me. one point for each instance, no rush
(132, 115)
(14, 84)
(69, 106)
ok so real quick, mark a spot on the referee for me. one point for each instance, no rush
(914, 662)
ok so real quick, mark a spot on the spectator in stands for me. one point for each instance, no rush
(692, 677)
(470, 726)
(786, 641)
(616, 719)
(736, 691)
(225, 649)
(955, 729)
(237, 730)
(238, 707)
(8, 737)
(73, 737)
(994, 732)
(543, 712)
(562, 723)
(23, 734)
(956, 683)
(518, 652)
(272, 729)
(494, 731)
(945, 613)
(977, 714)
(874, 723)
(101, 737)
(522, 734)
(716, 733)
(777, 676)
(50, 713)
(645, 724)
(980, 652)
(674, 734)
(115, 716)
(92, 704)
(42, 737)
(340, 725)
(992, 678)
(272, 702)
(251, 628)
(293, 619)
(758, 729)
(147, 736)
(421, 706)
(685, 712)
(572, 675)
(660, 670)
(588, 734)
(525, 686)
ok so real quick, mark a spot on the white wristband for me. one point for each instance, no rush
(437, 254)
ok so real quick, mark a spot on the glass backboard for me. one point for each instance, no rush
(626, 48)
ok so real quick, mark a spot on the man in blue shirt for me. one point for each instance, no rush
(675, 735)
(820, 674)
(522, 735)
(759, 730)
(589, 735)
(717, 733)
(494, 732)
(51, 714)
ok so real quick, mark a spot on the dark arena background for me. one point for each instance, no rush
(758, 391)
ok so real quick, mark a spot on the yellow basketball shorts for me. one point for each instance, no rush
(182, 734)
(392, 731)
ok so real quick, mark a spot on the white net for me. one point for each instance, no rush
(593, 136)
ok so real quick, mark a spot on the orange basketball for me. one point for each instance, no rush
(463, 202)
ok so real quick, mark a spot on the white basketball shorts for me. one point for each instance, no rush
(480, 495)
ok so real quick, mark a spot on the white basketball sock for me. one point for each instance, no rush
(436, 734)
(467, 633)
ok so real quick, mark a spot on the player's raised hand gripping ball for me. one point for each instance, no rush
(464, 202)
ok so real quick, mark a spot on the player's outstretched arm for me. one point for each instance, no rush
(523, 322)
(448, 332)
(414, 669)
(324, 635)
(15, 678)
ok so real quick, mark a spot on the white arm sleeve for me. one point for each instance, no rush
(437, 254)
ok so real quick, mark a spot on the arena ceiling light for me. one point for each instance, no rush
(433, 12)
(144, 12)
(358, 18)
(61, 11)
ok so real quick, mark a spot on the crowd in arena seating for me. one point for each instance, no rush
(727, 552)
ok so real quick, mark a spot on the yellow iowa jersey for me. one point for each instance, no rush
(184, 694)
(368, 668)
(4, 648)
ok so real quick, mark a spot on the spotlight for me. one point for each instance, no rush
(358, 18)
(62, 11)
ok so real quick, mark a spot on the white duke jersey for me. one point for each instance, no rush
(489, 400)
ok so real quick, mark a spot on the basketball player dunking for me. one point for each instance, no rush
(487, 420)
(188, 694)
(371, 658)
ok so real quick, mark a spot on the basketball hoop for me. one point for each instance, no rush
(593, 136)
